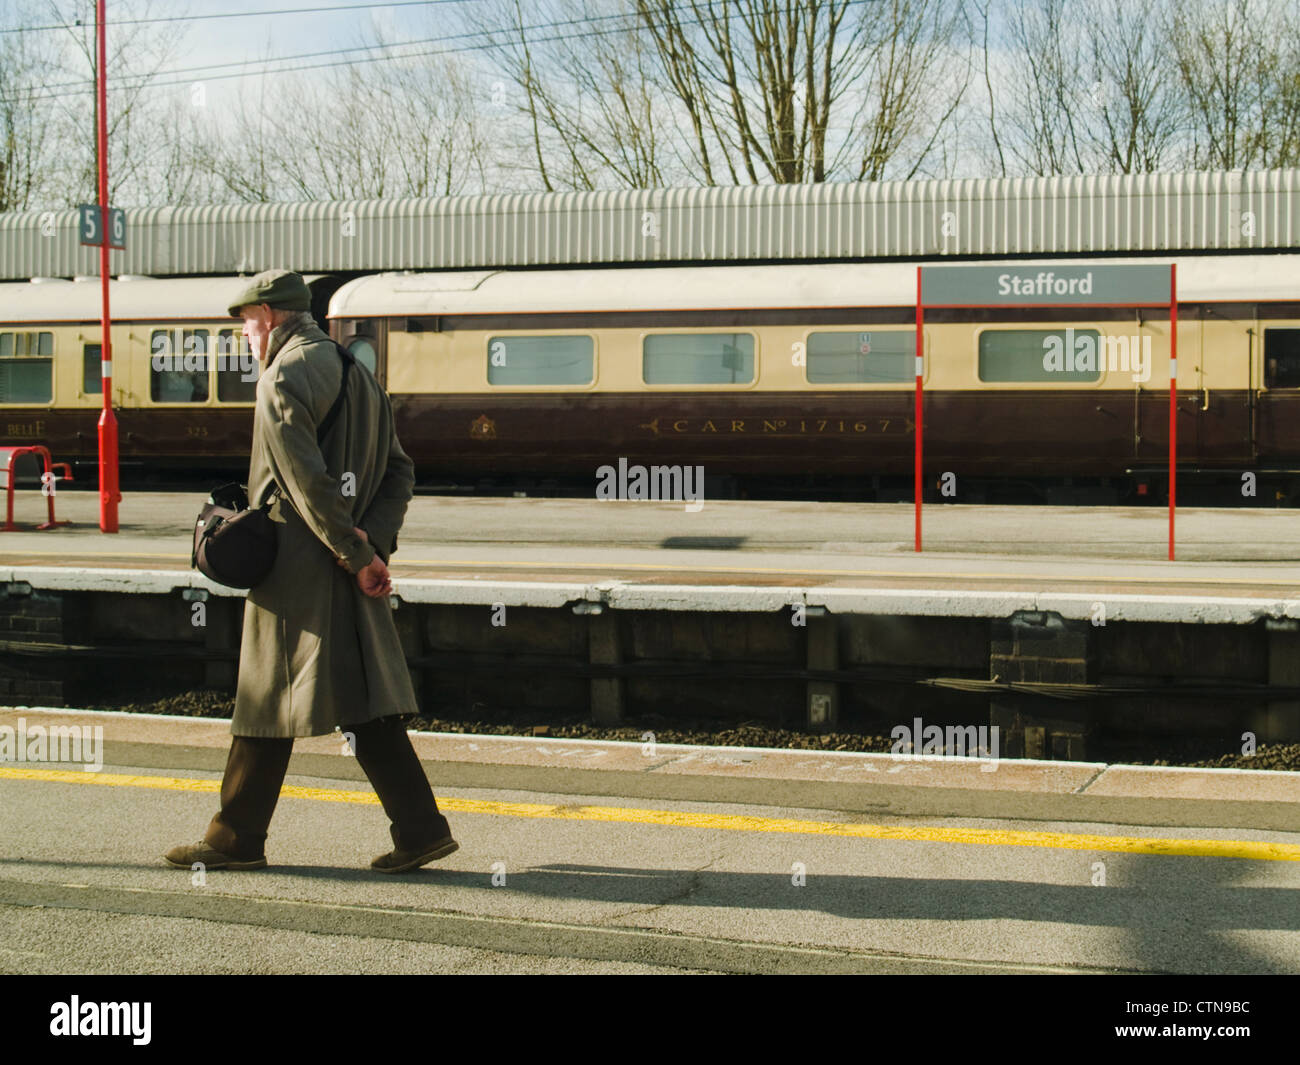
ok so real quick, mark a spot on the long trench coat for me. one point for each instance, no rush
(316, 652)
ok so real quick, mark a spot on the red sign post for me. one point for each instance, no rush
(1173, 396)
(919, 487)
(109, 496)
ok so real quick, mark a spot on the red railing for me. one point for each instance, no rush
(9, 457)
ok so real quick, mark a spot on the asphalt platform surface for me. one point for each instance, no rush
(1219, 552)
(626, 858)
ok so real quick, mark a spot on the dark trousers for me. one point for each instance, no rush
(255, 772)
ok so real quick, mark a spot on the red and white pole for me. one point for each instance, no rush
(918, 487)
(1173, 398)
(108, 484)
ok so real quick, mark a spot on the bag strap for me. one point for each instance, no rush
(265, 501)
(333, 414)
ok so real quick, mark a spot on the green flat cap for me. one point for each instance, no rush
(282, 289)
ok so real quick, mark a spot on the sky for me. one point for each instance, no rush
(259, 33)
(248, 32)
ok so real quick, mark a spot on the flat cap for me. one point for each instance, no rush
(282, 289)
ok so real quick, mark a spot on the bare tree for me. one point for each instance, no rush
(762, 82)
(1044, 88)
(245, 157)
(1216, 45)
(917, 73)
(1136, 107)
(733, 91)
(439, 146)
(25, 59)
(180, 168)
(330, 137)
(389, 124)
(138, 51)
(1280, 75)
(581, 90)
(983, 11)
(614, 122)
(1237, 61)
(1088, 89)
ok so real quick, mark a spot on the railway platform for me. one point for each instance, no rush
(1254, 549)
(627, 857)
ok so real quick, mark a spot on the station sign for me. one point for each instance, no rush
(1032, 284)
(90, 226)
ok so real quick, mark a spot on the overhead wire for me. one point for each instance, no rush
(233, 14)
(83, 87)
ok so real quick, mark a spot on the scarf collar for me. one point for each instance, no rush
(283, 332)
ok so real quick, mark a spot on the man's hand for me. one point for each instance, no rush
(374, 580)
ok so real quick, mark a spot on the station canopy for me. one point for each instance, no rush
(1146, 214)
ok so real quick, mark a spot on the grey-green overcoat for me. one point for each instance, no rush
(316, 652)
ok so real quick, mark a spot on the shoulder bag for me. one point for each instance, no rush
(234, 543)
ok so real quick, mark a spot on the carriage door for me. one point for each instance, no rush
(1277, 424)
(1224, 383)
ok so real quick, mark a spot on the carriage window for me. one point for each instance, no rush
(26, 367)
(1282, 358)
(363, 350)
(861, 358)
(698, 359)
(562, 360)
(178, 368)
(236, 368)
(92, 379)
(1040, 355)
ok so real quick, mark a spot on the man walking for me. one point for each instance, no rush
(320, 650)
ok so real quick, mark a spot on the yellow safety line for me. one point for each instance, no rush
(1256, 850)
(1263, 581)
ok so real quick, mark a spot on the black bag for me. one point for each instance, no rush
(235, 544)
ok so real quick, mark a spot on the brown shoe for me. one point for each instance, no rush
(405, 861)
(185, 857)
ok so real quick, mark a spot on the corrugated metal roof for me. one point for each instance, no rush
(1114, 214)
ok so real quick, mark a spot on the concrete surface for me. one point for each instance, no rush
(788, 868)
(1234, 565)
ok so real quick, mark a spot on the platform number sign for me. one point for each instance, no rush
(90, 226)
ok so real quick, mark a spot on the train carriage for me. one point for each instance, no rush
(804, 375)
(797, 378)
